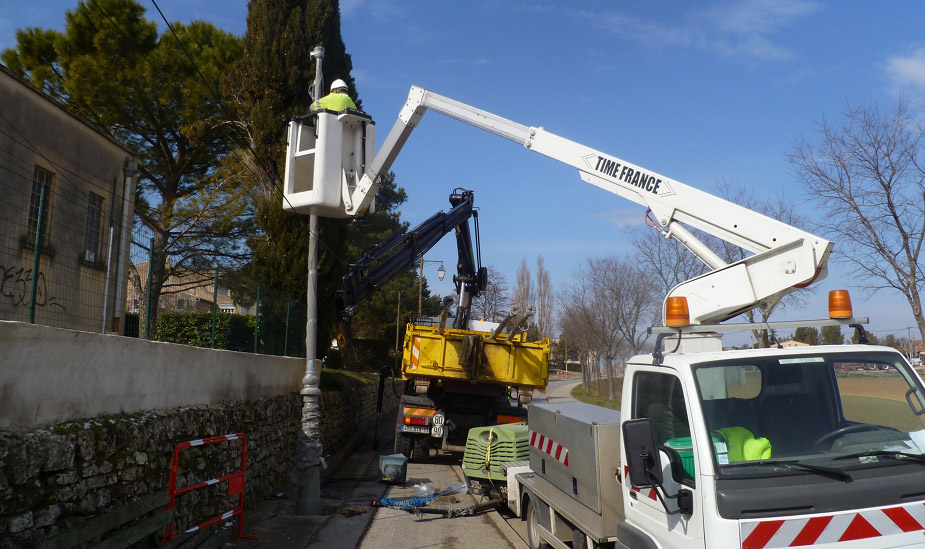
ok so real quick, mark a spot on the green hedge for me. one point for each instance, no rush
(233, 332)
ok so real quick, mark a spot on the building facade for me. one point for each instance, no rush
(66, 205)
(192, 292)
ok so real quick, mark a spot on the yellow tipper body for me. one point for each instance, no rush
(475, 357)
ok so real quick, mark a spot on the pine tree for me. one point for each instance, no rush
(157, 95)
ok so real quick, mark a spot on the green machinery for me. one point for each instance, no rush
(486, 449)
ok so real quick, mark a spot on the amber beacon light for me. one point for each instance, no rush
(676, 312)
(839, 304)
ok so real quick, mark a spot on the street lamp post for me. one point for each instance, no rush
(441, 272)
(307, 473)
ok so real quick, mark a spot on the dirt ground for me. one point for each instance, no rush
(885, 385)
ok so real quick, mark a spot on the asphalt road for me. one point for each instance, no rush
(387, 527)
(383, 527)
(350, 521)
(559, 390)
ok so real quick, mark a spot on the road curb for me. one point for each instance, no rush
(505, 529)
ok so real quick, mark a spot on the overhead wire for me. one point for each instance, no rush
(216, 97)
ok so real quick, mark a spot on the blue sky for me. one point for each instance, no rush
(701, 92)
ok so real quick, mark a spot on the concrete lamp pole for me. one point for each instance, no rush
(307, 475)
(441, 272)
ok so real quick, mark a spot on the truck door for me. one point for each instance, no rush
(660, 396)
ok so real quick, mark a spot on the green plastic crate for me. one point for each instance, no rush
(685, 449)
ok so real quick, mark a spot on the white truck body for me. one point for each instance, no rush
(845, 468)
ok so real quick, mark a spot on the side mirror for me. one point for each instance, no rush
(642, 455)
(917, 410)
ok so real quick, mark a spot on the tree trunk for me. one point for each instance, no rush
(585, 372)
(157, 269)
(596, 368)
(915, 301)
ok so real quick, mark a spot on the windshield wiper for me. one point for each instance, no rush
(831, 472)
(887, 453)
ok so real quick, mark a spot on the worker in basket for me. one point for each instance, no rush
(337, 100)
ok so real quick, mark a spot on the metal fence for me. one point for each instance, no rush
(60, 241)
(59, 238)
(217, 307)
(70, 257)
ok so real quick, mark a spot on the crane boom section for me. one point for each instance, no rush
(383, 262)
(785, 257)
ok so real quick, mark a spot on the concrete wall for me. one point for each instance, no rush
(90, 422)
(50, 375)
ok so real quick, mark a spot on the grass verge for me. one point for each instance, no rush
(340, 380)
(592, 397)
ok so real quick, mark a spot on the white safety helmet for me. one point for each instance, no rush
(337, 84)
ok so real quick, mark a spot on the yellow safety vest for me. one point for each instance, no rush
(334, 102)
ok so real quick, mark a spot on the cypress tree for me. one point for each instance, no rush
(270, 85)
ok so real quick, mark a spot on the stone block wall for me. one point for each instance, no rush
(56, 478)
(352, 409)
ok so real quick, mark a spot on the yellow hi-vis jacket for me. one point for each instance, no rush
(334, 102)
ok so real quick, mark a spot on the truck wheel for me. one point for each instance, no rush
(533, 533)
(403, 445)
(421, 452)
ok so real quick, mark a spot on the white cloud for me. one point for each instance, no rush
(907, 71)
(620, 217)
(759, 17)
(743, 29)
(350, 7)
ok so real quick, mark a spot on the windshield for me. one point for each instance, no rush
(825, 410)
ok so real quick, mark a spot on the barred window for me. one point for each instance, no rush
(94, 222)
(41, 179)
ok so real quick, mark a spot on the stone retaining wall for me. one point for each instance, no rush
(56, 478)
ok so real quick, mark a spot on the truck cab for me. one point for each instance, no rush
(779, 448)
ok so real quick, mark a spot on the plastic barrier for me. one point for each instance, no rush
(235, 486)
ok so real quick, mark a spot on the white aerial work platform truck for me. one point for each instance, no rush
(750, 449)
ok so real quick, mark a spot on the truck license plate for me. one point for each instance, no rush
(414, 429)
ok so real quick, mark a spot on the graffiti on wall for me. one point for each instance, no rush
(16, 285)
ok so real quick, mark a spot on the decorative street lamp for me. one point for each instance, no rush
(441, 272)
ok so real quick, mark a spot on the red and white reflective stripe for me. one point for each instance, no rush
(818, 530)
(647, 492)
(222, 438)
(415, 352)
(556, 450)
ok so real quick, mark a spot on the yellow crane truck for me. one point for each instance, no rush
(458, 372)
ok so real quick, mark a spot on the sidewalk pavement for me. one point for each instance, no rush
(274, 520)
(348, 484)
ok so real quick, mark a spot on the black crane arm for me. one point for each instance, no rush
(382, 262)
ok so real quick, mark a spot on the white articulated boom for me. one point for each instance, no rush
(785, 258)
